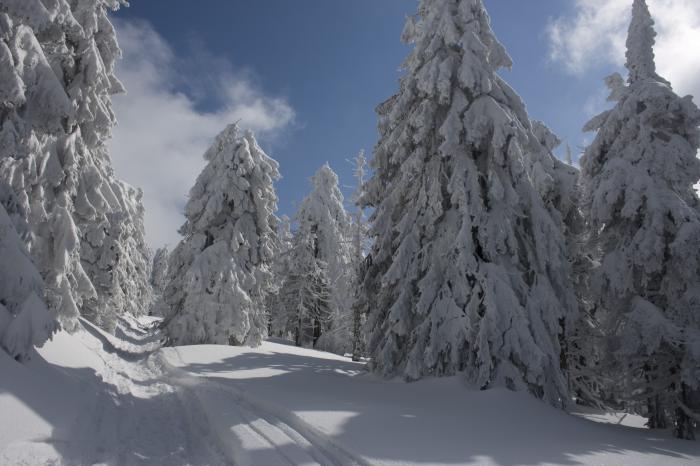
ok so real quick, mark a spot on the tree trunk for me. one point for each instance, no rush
(356, 337)
(300, 323)
(684, 424)
(317, 331)
(657, 418)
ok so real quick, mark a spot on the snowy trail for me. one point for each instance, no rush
(95, 399)
(262, 433)
(142, 410)
(141, 418)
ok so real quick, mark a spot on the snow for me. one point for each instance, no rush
(92, 398)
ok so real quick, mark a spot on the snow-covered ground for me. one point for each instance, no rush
(91, 398)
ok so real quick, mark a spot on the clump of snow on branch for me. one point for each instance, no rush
(25, 321)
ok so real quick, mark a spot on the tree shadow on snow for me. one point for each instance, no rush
(98, 421)
(431, 421)
(94, 420)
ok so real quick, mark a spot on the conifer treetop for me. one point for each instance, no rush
(640, 44)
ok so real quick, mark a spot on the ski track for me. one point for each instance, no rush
(149, 412)
(275, 435)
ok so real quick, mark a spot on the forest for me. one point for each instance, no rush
(473, 289)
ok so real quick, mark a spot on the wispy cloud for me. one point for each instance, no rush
(596, 31)
(163, 131)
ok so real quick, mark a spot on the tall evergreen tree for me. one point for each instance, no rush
(39, 159)
(219, 274)
(159, 270)
(469, 270)
(109, 213)
(57, 61)
(306, 311)
(644, 221)
(324, 223)
(359, 240)
(281, 269)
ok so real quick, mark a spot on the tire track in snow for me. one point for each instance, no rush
(134, 417)
(142, 410)
(277, 434)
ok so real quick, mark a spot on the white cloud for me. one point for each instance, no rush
(596, 33)
(162, 134)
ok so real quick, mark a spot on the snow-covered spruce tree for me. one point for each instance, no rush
(281, 268)
(25, 321)
(219, 274)
(469, 269)
(38, 157)
(306, 309)
(558, 184)
(109, 213)
(115, 256)
(644, 219)
(158, 281)
(159, 270)
(58, 62)
(554, 180)
(324, 223)
(568, 155)
(359, 240)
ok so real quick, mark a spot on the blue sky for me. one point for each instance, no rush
(308, 74)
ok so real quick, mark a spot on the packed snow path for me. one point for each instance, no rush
(91, 398)
(140, 410)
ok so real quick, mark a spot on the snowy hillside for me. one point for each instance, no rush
(91, 398)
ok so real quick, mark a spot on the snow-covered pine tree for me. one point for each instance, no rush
(323, 221)
(644, 221)
(556, 181)
(159, 280)
(568, 155)
(159, 270)
(38, 142)
(25, 321)
(558, 185)
(359, 240)
(281, 268)
(109, 213)
(306, 296)
(58, 69)
(219, 274)
(469, 269)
